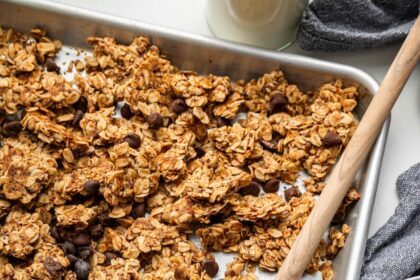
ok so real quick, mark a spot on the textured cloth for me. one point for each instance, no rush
(393, 253)
(333, 25)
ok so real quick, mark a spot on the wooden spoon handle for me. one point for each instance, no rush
(351, 160)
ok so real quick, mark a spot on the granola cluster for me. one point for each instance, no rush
(109, 175)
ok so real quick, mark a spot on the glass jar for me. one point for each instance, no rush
(264, 23)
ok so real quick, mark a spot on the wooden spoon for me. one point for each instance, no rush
(351, 160)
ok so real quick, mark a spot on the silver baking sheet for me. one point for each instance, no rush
(73, 25)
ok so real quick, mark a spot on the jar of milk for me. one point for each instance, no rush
(265, 23)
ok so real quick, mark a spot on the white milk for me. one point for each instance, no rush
(264, 23)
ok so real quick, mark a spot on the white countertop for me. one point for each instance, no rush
(403, 145)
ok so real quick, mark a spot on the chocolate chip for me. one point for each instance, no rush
(52, 66)
(81, 104)
(96, 230)
(72, 259)
(179, 106)
(67, 247)
(109, 256)
(210, 267)
(138, 211)
(55, 233)
(53, 267)
(133, 140)
(292, 192)
(331, 139)
(252, 189)
(277, 103)
(105, 220)
(91, 186)
(271, 186)
(81, 249)
(84, 252)
(222, 122)
(81, 268)
(155, 120)
(78, 116)
(12, 128)
(270, 145)
(126, 112)
(81, 239)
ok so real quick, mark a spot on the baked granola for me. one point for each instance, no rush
(87, 194)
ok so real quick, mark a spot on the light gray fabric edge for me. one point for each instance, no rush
(393, 253)
(346, 25)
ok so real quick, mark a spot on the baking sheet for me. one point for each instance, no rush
(207, 55)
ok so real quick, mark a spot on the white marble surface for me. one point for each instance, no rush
(403, 146)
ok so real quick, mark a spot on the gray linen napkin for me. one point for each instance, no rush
(393, 253)
(333, 25)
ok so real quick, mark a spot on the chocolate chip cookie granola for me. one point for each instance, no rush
(86, 194)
